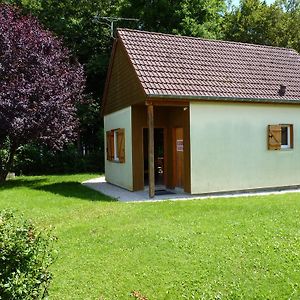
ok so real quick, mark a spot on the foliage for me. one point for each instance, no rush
(91, 137)
(25, 257)
(32, 159)
(254, 21)
(40, 86)
(248, 22)
(160, 16)
(286, 33)
(233, 248)
(201, 18)
(78, 23)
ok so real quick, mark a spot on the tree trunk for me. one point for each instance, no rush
(3, 174)
(8, 164)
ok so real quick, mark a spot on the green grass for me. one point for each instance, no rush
(239, 248)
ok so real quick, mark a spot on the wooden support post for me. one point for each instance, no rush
(151, 151)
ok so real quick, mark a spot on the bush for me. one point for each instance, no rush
(33, 159)
(25, 257)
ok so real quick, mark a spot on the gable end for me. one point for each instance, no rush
(123, 87)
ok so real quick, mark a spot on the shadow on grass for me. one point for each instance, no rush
(15, 183)
(66, 189)
(75, 190)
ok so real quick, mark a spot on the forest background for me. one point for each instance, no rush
(81, 26)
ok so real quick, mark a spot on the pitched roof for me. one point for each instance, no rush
(177, 66)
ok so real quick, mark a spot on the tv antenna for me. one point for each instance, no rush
(111, 20)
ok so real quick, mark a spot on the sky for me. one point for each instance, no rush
(236, 2)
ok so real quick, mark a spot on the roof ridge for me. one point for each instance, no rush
(207, 39)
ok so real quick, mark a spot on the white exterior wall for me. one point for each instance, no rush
(229, 147)
(120, 173)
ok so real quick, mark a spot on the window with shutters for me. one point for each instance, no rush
(280, 137)
(115, 145)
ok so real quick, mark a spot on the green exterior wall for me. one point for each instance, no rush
(229, 149)
(120, 173)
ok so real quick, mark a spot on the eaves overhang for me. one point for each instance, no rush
(226, 99)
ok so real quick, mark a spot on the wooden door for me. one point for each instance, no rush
(178, 157)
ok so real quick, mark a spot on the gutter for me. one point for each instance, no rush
(229, 99)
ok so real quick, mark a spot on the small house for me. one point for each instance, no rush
(199, 115)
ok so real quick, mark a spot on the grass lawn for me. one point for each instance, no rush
(240, 248)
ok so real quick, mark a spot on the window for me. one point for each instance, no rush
(115, 145)
(285, 136)
(280, 137)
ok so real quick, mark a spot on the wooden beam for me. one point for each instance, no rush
(168, 102)
(151, 151)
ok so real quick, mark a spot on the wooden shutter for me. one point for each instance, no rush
(274, 137)
(108, 154)
(292, 136)
(121, 145)
(110, 145)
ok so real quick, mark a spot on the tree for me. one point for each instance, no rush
(40, 84)
(156, 15)
(75, 22)
(286, 30)
(78, 24)
(201, 18)
(256, 22)
(249, 23)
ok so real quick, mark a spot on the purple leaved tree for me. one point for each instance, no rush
(39, 87)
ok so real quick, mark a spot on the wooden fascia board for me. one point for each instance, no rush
(222, 99)
(182, 101)
(108, 76)
(166, 102)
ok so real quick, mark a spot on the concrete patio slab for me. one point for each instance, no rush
(120, 194)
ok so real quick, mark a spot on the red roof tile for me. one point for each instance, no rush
(169, 65)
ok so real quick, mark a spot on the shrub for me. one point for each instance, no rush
(33, 159)
(25, 256)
